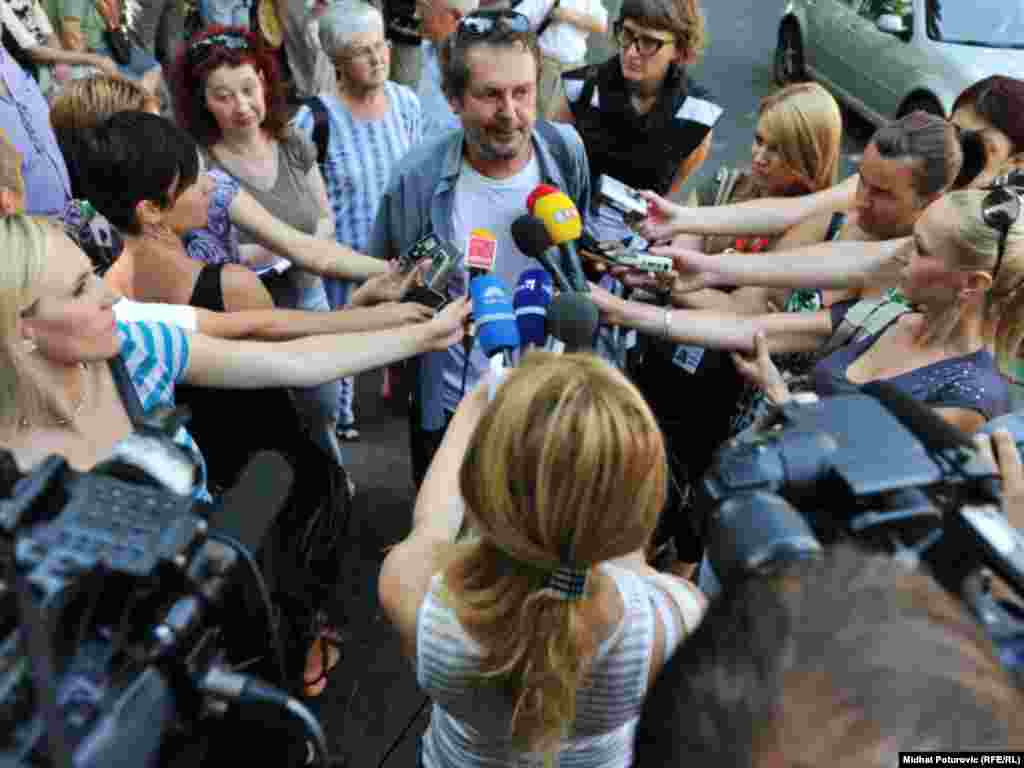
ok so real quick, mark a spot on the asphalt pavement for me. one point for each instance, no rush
(372, 695)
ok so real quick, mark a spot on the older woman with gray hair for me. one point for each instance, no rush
(362, 127)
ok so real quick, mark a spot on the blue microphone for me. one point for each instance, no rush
(494, 317)
(532, 297)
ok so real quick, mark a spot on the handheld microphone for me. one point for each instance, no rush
(532, 238)
(495, 318)
(481, 253)
(573, 319)
(563, 222)
(530, 301)
(538, 192)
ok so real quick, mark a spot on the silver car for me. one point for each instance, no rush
(885, 58)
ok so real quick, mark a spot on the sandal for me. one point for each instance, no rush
(325, 652)
(347, 432)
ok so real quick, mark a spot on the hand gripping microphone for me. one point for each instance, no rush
(532, 238)
(530, 301)
(565, 226)
(494, 317)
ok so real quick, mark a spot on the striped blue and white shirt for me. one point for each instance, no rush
(156, 356)
(360, 157)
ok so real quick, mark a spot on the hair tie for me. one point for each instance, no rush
(567, 583)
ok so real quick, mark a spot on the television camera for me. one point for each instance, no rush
(882, 470)
(117, 645)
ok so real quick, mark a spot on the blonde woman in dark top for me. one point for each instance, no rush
(963, 274)
(795, 151)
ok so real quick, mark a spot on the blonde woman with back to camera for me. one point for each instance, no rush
(538, 638)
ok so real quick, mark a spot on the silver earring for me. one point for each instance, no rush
(30, 346)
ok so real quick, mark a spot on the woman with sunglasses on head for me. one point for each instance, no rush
(85, 103)
(963, 275)
(643, 121)
(230, 97)
(537, 636)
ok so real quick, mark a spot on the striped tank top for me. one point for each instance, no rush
(469, 724)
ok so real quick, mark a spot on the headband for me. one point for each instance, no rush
(200, 49)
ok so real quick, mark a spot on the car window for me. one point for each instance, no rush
(872, 9)
(987, 23)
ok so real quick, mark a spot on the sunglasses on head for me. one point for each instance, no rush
(1000, 209)
(492, 24)
(200, 50)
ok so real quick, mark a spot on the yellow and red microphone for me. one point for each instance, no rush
(563, 222)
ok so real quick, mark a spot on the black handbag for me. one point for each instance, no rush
(120, 45)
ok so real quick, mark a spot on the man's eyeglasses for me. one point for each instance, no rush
(646, 45)
(367, 52)
(1000, 209)
(492, 24)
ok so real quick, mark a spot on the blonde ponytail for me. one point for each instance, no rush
(575, 475)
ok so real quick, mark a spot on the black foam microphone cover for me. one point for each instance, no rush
(254, 502)
(532, 238)
(530, 235)
(573, 319)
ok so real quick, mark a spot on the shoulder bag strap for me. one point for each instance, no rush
(127, 391)
(321, 127)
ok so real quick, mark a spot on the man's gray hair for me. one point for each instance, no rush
(345, 19)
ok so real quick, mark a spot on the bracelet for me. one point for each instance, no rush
(668, 322)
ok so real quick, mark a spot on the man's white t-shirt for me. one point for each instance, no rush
(562, 41)
(492, 204)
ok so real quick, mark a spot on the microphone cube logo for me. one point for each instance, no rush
(481, 251)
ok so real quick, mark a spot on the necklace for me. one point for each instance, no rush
(66, 421)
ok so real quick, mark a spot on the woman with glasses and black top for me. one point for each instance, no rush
(643, 121)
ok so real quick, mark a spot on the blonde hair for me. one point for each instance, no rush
(84, 104)
(979, 248)
(566, 467)
(24, 241)
(804, 122)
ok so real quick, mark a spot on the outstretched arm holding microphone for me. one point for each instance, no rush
(831, 265)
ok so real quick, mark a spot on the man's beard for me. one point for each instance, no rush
(492, 150)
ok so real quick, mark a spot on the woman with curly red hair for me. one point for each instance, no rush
(230, 97)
